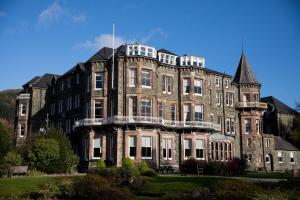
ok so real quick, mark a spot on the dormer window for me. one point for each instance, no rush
(191, 61)
(141, 50)
(167, 58)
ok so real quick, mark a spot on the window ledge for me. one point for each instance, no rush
(147, 87)
(147, 158)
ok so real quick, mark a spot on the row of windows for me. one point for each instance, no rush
(72, 102)
(280, 157)
(221, 151)
(248, 126)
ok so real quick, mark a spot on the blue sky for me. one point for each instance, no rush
(37, 37)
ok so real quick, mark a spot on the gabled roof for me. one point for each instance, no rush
(279, 106)
(41, 81)
(244, 74)
(78, 66)
(166, 51)
(281, 144)
(102, 54)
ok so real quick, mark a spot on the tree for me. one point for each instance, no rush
(67, 159)
(5, 141)
(43, 152)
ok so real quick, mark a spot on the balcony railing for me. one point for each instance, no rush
(23, 96)
(254, 104)
(146, 120)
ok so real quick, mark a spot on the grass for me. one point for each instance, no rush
(161, 185)
(23, 185)
(279, 175)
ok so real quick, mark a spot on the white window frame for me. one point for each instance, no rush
(173, 113)
(144, 75)
(187, 113)
(267, 143)
(20, 129)
(21, 109)
(292, 156)
(246, 120)
(199, 109)
(132, 108)
(219, 97)
(279, 157)
(186, 86)
(132, 144)
(217, 81)
(198, 84)
(169, 84)
(100, 147)
(100, 106)
(146, 144)
(200, 147)
(226, 83)
(257, 126)
(101, 80)
(189, 146)
(160, 113)
(145, 105)
(132, 77)
(167, 147)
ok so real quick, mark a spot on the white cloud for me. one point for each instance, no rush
(2, 14)
(104, 40)
(78, 18)
(52, 13)
(153, 33)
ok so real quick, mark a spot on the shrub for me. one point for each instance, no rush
(13, 158)
(43, 152)
(96, 187)
(144, 166)
(5, 170)
(34, 172)
(150, 172)
(127, 163)
(101, 164)
(67, 159)
(189, 166)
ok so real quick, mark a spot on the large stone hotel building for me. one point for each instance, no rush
(153, 105)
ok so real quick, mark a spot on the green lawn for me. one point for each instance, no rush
(280, 175)
(161, 185)
(23, 185)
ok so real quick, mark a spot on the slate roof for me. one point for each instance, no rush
(41, 81)
(166, 51)
(244, 74)
(216, 72)
(281, 144)
(279, 106)
(102, 54)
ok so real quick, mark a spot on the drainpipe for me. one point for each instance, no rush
(158, 133)
(223, 102)
(124, 102)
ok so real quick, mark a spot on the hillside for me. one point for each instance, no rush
(8, 104)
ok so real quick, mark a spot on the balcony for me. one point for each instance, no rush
(254, 104)
(23, 96)
(146, 120)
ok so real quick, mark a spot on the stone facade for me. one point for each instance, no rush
(156, 106)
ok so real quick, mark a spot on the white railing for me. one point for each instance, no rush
(253, 104)
(146, 120)
(23, 96)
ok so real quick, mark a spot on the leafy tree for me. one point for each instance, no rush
(101, 164)
(13, 158)
(67, 159)
(5, 141)
(43, 152)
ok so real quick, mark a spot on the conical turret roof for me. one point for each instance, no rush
(244, 74)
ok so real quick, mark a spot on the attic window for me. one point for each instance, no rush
(166, 58)
(191, 60)
(141, 50)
